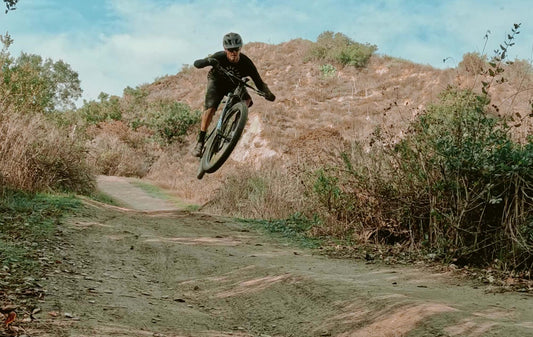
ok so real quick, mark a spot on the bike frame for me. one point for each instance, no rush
(230, 99)
(227, 105)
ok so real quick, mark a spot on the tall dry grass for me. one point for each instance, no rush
(277, 189)
(116, 149)
(270, 192)
(37, 155)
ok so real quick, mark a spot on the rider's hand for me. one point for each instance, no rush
(212, 61)
(270, 96)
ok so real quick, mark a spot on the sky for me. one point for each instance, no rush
(113, 44)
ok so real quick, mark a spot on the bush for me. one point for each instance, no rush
(126, 135)
(337, 47)
(171, 121)
(39, 156)
(456, 185)
(328, 70)
(478, 181)
(107, 109)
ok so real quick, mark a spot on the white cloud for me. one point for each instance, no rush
(131, 42)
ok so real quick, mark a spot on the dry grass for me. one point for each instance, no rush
(271, 192)
(116, 149)
(39, 156)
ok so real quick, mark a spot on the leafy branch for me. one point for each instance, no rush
(10, 5)
(496, 64)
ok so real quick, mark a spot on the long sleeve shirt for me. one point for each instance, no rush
(245, 67)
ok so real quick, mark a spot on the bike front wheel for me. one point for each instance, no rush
(223, 141)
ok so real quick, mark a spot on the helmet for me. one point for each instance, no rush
(232, 40)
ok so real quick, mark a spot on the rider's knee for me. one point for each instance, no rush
(209, 111)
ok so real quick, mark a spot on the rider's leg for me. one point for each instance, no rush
(213, 96)
(207, 117)
(248, 98)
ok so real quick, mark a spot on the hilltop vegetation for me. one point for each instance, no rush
(358, 147)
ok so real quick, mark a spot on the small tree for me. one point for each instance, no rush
(31, 84)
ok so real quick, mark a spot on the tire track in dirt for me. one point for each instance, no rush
(170, 272)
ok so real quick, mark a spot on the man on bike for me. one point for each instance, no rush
(218, 84)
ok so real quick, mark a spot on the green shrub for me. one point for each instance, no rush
(457, 185)
(171, 121)
(326, 189)
(478, 181)
(338, 48)
(296, 227)
(108, 108)
(328, 70)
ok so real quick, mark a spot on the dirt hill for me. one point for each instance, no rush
(316, 110)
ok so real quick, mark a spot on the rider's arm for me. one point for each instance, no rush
(263, 87)
(202, 63)
(258, 81)
(211, 60)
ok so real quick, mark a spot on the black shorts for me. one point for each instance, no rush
(216, 91)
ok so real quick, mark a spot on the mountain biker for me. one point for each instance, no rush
(218, 84)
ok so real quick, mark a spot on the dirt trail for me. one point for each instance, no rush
(170, 272)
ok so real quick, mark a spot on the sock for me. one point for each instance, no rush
(201, 136)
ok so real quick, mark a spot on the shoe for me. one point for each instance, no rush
(198, 149)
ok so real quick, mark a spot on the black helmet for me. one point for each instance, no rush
(232, 40)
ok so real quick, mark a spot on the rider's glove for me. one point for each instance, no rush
(212, 61)
(270, 96)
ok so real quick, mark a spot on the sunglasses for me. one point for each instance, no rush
(233, 50)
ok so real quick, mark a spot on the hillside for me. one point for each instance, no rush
(316, 111)
(393, 163)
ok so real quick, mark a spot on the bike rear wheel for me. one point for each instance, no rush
(222, 143)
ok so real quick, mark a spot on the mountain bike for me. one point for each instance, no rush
(223, 138)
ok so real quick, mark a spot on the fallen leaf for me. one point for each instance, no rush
(10, 318)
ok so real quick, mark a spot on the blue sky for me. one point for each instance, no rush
(113, 44)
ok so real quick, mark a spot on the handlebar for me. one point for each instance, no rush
(242, 81)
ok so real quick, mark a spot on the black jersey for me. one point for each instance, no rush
(245, 67)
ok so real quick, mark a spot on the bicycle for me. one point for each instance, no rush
(223, 138)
